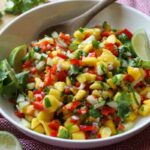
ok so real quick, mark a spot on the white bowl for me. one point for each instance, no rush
(25, 28)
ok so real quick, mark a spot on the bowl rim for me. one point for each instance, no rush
(29, 131)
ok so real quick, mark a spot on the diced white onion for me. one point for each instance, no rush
(40, 65)
(148, 95)
(75, 117)
(23, 104)
(55, 35)
(92, 100)
(112, 104)
(20, 98)
(25, 123)
(37, 56)
(82, 86)
(89, 40)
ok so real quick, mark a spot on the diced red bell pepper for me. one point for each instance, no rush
(126, 32)
(48, 80)
(82, 111)
(121, 127)
(147, 72)
(117, 119)
(87, 128)
(27, 64)
(61, 76)
(33, 70)
(75, 104)
(77, 84)
(38, 97)
(107, 111)
(54, 69)
(19, 114)
(38, 105)
(86, 36)
(99, 78)
(53, 133)
(62, 56)
(140, 84)
(50, 55)
(66, 38)
(92, 54)
(128, 78)
(105, 34)
(99, 135)
(54, 124)
(39, 91)
(76, 62)
(67, 90)
(112, 48)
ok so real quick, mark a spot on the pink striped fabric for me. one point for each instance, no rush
(138, 142)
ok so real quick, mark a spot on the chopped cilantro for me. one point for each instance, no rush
(74, 70)
(95, 44)
(47, 102)
(19, 6)
(73, 46)
(81, 30)
(94, 113)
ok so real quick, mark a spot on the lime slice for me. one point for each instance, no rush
(141, 45)
(8, 141)
(11, 72)
(16, 56)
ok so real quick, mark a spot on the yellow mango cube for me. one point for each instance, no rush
(74, 128)
(34, 123)
(80, 95)
(87, 48)
(111, 84)
(131, 117)
(46, 127)
(39, 129)
(78, 136)
(44, 116)
(147, 102)
(54, 103)
(89, 61)
(90, 77)
(65, 65)
(55, 93)
(28, 118)
(30, 95)
(68, 81)
(144, 110)
(95, 86)
(81, 78)
(111, 125)
(96, 93)
(137, 73)
(105, 132)
(78, 35)
(60, 86)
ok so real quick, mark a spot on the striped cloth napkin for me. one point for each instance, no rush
(138, 142)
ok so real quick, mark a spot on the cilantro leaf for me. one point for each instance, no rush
(74, 70)
(94, 113)
(3, 75)
(95, 44)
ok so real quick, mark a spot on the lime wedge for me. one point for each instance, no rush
(16, 56)
(8, 141)
(141, 45)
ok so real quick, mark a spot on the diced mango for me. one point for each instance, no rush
(47, 129)
(105, 132)
(29, 110)
(145, 90)
(109, 58)
(44, 116)
(147, 102)
(87, 48)
(111, 125)
(144, 110)
(131, 117)
(68, 81)
(89, 61)
(39, 129)
(111, 39)
(78, 35)
(30, 95)
(81, 78)
(80, 95)
(54, 103)
(86, 77)
(137, 73)
(67, 122)
(95, 86)
(55, 93)
(96, 93)
(38, 83)
(60, 86)
(28, 117)
(74, 128)
(34, 123)
(111, 84)
(65, 65)
(78, 136)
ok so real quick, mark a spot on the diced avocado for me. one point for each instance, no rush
(63, 133)
(117, 79)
